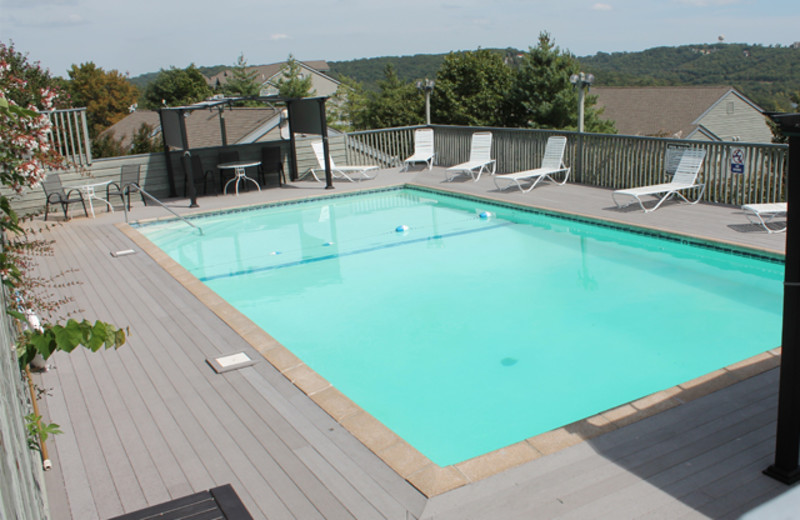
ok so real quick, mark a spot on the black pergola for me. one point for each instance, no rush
(787, 442)
(306, 115)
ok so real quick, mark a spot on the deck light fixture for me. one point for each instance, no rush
(427, 87)
(581, 81)
(230, 362)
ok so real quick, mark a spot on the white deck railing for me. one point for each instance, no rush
(70, 136)
(735, 173)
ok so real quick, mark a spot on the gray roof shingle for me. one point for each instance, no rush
(656, 111)
(202, 126)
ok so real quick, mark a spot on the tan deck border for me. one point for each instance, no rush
(429, 478)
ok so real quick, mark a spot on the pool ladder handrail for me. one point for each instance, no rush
(144, 192)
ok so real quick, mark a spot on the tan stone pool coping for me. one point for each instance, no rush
(429, 478)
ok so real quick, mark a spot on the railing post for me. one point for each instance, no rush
(86, 140)
(787, 438)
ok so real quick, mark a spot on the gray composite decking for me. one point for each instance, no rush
(152, 421)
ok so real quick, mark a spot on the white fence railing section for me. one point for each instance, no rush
(70, 136)
(735, 173)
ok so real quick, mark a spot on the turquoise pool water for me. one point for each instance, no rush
(465, 327)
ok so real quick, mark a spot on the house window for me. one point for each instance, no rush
(729, 108)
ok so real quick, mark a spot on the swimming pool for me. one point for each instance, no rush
(465, 326)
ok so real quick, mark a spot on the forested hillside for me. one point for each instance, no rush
(142, 80)
(767, 75)
(369, 71)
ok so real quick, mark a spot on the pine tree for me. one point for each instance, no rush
(293, 84)
(242, 81)
(543, 96)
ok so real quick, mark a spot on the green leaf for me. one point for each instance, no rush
(16, 315)
(43, 343)
(68, 337)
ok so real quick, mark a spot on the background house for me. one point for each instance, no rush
(699, 113)
(268, 76)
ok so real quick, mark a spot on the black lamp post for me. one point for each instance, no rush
(787, 441)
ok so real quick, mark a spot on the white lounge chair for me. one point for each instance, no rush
(552, 164)
(423, 148)
(479, 158)
(685, 178)
(351, 173)
(764, 214)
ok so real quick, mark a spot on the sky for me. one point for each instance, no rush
(149, 35)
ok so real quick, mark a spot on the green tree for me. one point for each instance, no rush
(143, 141)
(543, 97)
(106, 145)
(292, 83)
(107, 96)
(176, 87)
(348, 104)
(242, 82)
(471, 88)
(396, 103)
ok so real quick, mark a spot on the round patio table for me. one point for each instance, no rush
(239, 168)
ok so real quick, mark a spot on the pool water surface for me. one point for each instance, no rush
(465, 326)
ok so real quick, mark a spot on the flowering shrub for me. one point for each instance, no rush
(26, 93)
(25, 152)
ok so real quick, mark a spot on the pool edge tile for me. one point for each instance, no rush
(404, 459)
(370, 431)
(434, 480)
(307, 380)
(755, 365)
(553, 441)
(335, 403)
(497, 461)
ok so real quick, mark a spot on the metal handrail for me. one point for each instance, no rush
(143, 192)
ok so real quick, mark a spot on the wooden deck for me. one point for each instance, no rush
(152, 421)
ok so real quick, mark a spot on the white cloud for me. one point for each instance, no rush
(601, 7)
(276, 37)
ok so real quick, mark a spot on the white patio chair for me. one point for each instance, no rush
(423, 148)
(480, 159)
(684, 179)
(764, 214)
(552, 164)
(340, 172)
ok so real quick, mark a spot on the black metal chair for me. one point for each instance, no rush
(55, 193)
(226, 156)
(271, 165)
(128, 177)
(200, 177)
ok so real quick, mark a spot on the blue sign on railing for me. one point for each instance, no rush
(737, 161)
